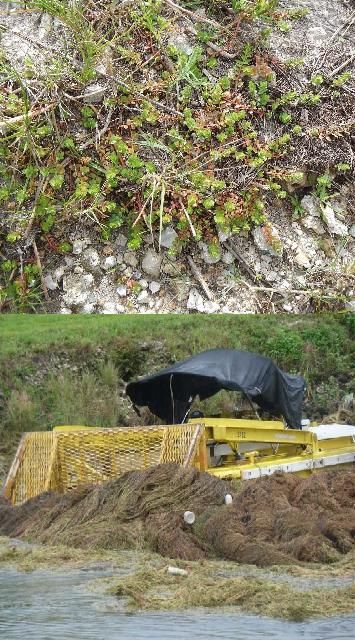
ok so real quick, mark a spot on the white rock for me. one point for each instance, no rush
(121, 240)
(227, 257)
(94, 93)
(88, 280)
(69, 261)
(206, 256)
(89, 307)
(59, 273)
(143, 284)
(121, 290)
(49, 282)
(210, 306)
(195, 301)
(78, 246)
(314, 223)
(151, 263)
(154, 286)
(130, 258)
(109, 262)
(109, 308)
(302, 260)
(273, 245)
(65, 311)
(181, 42)
(287, 307)
(312, 205)
(143, 297)
(120, 308)
(334, 225)
(90, 259)
(271, 276)
(77, 288)
(352, 231)
(168, 237)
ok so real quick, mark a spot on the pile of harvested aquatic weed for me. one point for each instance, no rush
(206, 585)
(275, 520)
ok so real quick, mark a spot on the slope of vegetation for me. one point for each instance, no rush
(143, 114)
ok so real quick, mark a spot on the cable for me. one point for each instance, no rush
(172, 398)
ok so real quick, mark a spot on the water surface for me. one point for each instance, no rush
(58, 605)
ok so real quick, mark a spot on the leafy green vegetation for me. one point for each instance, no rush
(167, 143)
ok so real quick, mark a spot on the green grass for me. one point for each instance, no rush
(281, 337)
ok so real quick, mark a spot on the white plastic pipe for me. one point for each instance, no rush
(176, 571)
(189, 517)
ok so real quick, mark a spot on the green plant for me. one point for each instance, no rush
(259, 92)
(340, 80)
(298, 210)
(324, 184)
(317, 80)
(20, 414)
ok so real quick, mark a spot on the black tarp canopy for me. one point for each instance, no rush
(169, 392)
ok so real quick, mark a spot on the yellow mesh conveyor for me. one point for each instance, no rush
(65, 458)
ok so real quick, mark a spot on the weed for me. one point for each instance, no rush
(324, 184)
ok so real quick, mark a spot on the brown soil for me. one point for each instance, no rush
(281, 519)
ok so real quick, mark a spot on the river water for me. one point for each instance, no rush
(59, 605)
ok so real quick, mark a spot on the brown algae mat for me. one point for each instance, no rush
(278, 520)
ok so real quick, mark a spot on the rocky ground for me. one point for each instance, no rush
(300, 258)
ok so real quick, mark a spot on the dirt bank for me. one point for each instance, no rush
(282, 519)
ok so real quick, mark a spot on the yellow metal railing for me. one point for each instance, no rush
(63, 459)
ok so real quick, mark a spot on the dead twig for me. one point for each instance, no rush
(221, 52)
(240, 259)
(39, 265)
(188, 218)
(195, 16)
(346, 26)
(285, 292)
(40, 187)
(5, 125)
(199, 277)
(342, 66)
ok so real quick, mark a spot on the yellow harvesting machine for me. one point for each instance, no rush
(63, 459)
(245, 449)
